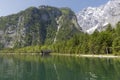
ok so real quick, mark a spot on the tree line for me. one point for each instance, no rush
(104, 42)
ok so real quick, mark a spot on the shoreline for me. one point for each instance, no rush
(74, 55)
(89, 55)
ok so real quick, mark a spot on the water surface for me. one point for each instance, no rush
(58, 68)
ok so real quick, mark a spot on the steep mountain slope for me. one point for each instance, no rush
(92, 18)
(34, 26)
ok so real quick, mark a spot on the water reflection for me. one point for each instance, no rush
(58, 68)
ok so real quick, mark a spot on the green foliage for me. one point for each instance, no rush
(38, 26)
(116, 45)
(41, 28)
(1, 46)
(29, 49)
(81, 43)
(67, 11)
(96, 43)
(117, 29)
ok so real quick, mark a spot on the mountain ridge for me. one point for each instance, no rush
(38, 26)
(93, 18)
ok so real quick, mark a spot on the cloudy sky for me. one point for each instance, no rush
(13, 6)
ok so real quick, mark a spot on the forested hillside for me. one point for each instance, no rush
(105, 42)
(44, 25)
(55, 29)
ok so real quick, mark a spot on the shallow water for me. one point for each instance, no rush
(58, 68)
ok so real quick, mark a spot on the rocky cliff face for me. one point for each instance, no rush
(94, 18)
(34, 26)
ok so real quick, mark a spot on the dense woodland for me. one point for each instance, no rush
(105, 42)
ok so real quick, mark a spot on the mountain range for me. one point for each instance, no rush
(96, 18)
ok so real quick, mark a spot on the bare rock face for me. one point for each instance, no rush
(94, 18)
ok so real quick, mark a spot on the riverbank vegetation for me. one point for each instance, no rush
(105, 42)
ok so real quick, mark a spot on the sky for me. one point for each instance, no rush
(8, 7)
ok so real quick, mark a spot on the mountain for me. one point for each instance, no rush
(37, 26)
(93, 18)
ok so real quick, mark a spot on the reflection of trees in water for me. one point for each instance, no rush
(59, 68)
(41, 71)
(88, 68)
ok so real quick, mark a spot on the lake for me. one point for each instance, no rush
(58, 68)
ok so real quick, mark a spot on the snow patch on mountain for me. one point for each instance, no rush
(93, 18)
(92, 29)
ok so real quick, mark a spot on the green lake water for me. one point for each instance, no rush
(58, 68)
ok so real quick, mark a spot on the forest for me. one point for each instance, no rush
(104, 42)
